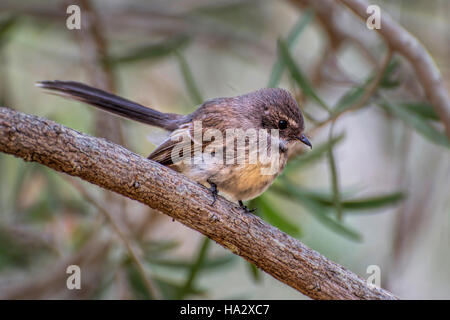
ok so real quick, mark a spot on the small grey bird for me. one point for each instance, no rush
(263, 110)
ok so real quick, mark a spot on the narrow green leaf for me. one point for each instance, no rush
(12, 253)
(373, 202)
(387, 81)
(335, 225)
(274, 218)
(23, 172)
(215, 263)
(50, 202)
(152, 51)
(417, 122)
(350, 98)
(294, 34)
(3, 184)
(334, 177)
(137, 284)
(194, 271)
(102, 289)
(320, 212)
(189, 81)
(170, 288)
(6, 26)
(389, 84)
(422, 109)
(153, 248)
(359, 205)
(323, 198)
(298, 75)
(254, 272)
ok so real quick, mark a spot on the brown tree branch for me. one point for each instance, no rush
(329, 17)
(118, 169)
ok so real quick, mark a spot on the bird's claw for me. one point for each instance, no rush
(214, 191)
(245, 208)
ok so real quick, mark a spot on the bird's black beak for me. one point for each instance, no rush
(305, 140)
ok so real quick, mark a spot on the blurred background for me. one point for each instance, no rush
(373, 191)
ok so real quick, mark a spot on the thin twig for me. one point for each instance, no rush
(368, 93)
(134, 256)
(401, 41)
(94, 52)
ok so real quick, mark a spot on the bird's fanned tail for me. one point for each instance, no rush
(112, 103)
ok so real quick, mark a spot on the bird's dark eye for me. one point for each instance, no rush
(282, 124)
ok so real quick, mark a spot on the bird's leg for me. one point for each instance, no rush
(242, 206)
(213, 189)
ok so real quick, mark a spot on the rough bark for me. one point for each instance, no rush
(115, 168)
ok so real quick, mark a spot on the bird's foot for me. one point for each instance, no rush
(213, 190)
(243, 207)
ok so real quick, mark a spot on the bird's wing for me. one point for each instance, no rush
(163, 153)
(183, 139)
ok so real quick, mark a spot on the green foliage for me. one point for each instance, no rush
(321, 212)
(271, 215)
(351, 97)
(152, 248)
(189, 81)
(388, 80)
(12, 254)
(323, 216)
(171, 289)
(298, 76)
(334, 176)
(136, 282)
(372, 203)
(321, 204)
(254, 272)
(21, 252)
(242, 14)
(354, 94)
(151, 51)
(416, 120)
(194, 270)
(183, 264)
(294, 34)
(349, 205)
(7, 25)
(421, 109)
